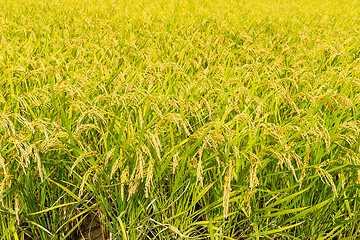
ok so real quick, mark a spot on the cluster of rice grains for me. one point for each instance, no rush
(219, 119)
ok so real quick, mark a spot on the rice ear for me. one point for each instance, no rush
(227, 187)
(149, 176)
(199, 170)
(84, 180)
(3, 165)
(175, 162)
(123, 178)
(17, 206)
(80, 158)
(38, 162)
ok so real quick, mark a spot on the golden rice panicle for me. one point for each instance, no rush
(227, 187)
(342, 178)
(24, 152)
(38, 162)
(25, 123)
(298, 159)
(5, 183)
(123, 179)
(132, 187)
(217, 158)
(140, 162)
(305, 163)
(353, 126)
(291, 102)
(134, 180)
(248, 202)
(326, 136)
(155, 142)
(52, 143)
(236, 151)
(157, 110)
(94, 114)
(3, 165)
(255, 163)
(149, 176)
(115, 166)
(7, 125)
(316, 133)
(146, 150)
(350, 139)
(17, 206)
(287, 157)
(175, 162)
(327, 178)
(279, 156)
(199, 173)
(356, 160)
(141, 121)
(184, 123)
(352, 158)
(274, 130)
(341, 100)
(215, 138)
(108, 156)
(80, 158)
(260, 108)
(199, 169)
(84, 128)
(41, 126)
(187, 126)
(84, 180)
(174, 118)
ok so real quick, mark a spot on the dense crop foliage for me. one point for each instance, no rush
(174, 119)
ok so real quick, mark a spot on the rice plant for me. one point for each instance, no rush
(179, 119)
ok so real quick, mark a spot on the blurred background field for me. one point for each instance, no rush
(179, 119)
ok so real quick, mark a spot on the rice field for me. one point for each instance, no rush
(175, 119)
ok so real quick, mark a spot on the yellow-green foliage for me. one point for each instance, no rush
(171, 119)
